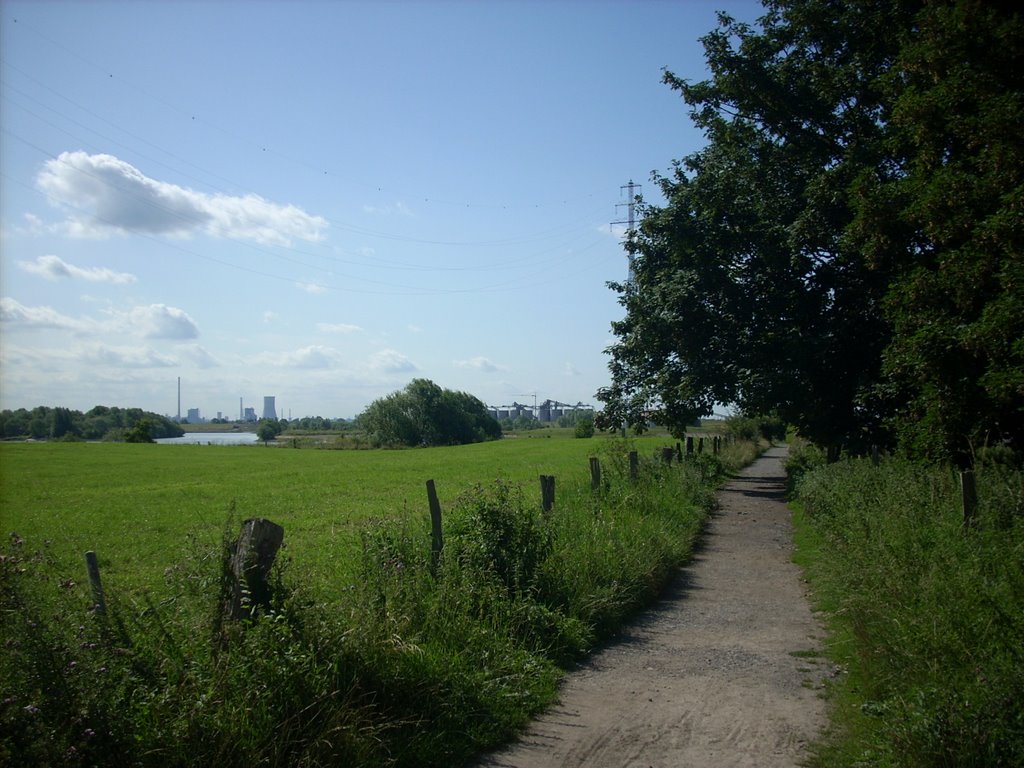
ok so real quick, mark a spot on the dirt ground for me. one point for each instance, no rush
(719, 673)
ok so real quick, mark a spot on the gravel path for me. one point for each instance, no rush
(716, 674)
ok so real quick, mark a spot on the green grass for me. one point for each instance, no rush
(367, 653)
(135, 504)
(926, 617)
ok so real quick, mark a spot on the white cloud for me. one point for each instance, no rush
(198, 356)
(126, 357)
(158, 321)
(391, 361)
(55, 268)
(117, 197)
(269, 316)
(313, 356)
(480, 364)
(314, 289)
(33, 225)
(16, 313)
(343, 328)
(399, 208)
(571, 370)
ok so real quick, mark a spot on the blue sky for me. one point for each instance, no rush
(322, 201)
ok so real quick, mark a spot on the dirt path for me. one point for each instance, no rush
(716, 674)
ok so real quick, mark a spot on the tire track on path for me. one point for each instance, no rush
(708, 676)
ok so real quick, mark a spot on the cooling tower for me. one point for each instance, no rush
(269, 411)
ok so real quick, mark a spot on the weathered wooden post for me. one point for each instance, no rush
(700, 445)
(689, 444)
(969, 498)
(634, 466)
(595, 473)
(874, 455)
(667, 453)
(679, 451)
(547, 492)
(252, 557)
(436, 540)
(92, 565)
(714, 445)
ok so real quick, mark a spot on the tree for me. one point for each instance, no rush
(267, 430)
(140, 432)
(784, 272)
(425, 414)
(63, 423)
(955, 367)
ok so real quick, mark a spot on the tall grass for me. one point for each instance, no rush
(409, 663)
(927, 614)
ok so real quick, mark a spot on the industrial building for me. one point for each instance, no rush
(547, 412)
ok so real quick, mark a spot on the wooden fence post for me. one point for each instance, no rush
(715, 445)
(634, 462)
(874, 455)
(679, 451)
(252, 556)
(969, 498)
(92, 565)
(547, 492)
(436, 540)
(667, 454)
(700, 445)
(689, 444)
(595, 473)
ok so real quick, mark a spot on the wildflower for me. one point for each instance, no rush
(32, 709)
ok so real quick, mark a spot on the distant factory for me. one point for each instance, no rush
(546, 412)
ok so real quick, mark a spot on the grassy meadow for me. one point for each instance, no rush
(368, 652)
(136, 505)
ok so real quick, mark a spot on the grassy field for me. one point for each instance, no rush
(369, 651)
(136, 505)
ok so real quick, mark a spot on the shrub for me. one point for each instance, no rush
(584, 428)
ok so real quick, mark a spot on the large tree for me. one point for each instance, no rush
(425, 414)
(774, 275)
(954, 211)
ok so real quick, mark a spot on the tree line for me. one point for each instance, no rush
(99, 423)
(845, 251)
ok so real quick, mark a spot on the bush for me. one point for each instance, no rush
(584, 428)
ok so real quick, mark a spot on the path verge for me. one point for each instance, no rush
(722, 671)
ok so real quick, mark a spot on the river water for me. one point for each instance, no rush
(211, 438)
